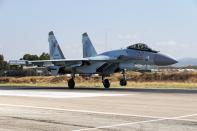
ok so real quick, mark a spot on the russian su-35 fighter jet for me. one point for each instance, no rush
(103, 64)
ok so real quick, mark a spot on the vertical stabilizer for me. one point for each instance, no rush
(88, 48)
(54, 48)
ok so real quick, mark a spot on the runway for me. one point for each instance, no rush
(51, 109)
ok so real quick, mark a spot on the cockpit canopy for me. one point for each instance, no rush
(142, 47)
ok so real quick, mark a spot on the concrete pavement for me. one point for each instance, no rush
(43, 108)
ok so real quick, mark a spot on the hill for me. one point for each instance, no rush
(187, 62)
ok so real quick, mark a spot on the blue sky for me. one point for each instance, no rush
(169, 26)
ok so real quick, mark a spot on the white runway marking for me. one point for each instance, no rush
(153, 119)
(138, 122)
(189, 120)
(79, 111)
(51, 94)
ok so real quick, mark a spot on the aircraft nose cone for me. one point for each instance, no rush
(163, 60)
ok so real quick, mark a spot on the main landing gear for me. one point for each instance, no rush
(106, 82)
(71, 83)
(123, 80)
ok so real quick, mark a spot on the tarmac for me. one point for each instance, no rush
(96, 109)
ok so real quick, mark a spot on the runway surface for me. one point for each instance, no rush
(91, 109)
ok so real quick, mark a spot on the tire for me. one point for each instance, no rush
(71, 83)
(123, 82)
(106, 83)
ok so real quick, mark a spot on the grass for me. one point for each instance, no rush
(135, 80)
(181, 85)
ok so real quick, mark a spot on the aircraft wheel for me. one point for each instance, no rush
(123, 82)
(106, 83)
(71, 83)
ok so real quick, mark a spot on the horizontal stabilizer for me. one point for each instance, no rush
(18, 62)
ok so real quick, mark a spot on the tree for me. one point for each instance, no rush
(44, 56)
(30, 57)
(1, 57)
(3, 64)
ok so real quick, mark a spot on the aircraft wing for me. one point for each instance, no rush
(63, 62)
(69, 62)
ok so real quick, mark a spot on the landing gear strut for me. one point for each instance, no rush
(123, 80)
(106, 82)
(71, 82)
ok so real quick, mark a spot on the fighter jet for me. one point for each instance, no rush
(103, 64)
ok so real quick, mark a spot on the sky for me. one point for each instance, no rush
(169, 26)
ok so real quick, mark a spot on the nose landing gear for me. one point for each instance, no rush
(123, 82)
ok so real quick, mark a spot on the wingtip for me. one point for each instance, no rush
(51, 33)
